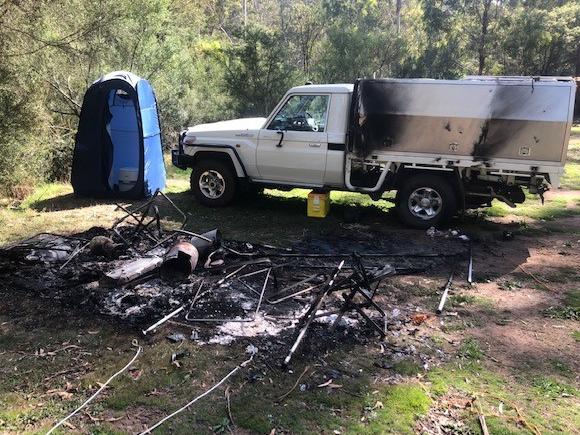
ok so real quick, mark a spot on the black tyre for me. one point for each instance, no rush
(425, 200)
(213, 183)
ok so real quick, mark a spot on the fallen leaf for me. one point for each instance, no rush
(419, 318)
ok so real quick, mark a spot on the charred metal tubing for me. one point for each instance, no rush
(355, 285)
(163, 320)
(198, 296)
(141, 219)
(310, 314)
(185, 217)
(290, 287)
(262, 293)
(350, 304)
(470, 265)
(199, 236)
(240, 263)
(74, 254)
(241, 254)
(239, 278)
(252, 289)
(261, 245)
(225, 278)
(417, 255)
(445, 293)
(298, 293)
(251, 319)
(266, 268)
(177, 232)
(162, 241)
(131, 214)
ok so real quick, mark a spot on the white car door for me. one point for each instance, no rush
(292, 147)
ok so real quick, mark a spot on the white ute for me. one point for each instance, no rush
(442, 145)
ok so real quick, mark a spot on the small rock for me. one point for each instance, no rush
(175, 337)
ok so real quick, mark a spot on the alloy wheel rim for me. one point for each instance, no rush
(212, 184)
(425, 203)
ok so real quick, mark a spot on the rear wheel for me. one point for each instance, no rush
(425, 200)
(213, 183)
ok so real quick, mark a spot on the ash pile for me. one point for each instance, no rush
(146, 274)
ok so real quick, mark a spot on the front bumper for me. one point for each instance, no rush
(178, 159)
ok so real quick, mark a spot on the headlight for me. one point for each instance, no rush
(189, 140)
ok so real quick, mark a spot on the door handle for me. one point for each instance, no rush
(281, 133)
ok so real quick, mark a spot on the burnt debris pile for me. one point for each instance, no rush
(145, 273)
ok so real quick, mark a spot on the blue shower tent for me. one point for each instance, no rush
(118, 150)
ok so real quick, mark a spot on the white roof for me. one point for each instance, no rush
(339, 88)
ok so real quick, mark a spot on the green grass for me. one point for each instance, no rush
(553, 208)
(394, 410)
(568, 310)
(407, 368)
(544, 401)
(550, 387)
(470, 349)
(571, 178)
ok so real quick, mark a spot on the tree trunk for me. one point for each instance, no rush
(483, 36)
(398, 12)
(577, 72)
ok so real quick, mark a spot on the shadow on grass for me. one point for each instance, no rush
(265, 216)
(70, 201)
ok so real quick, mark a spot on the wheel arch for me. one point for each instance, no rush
(452, 177)
(224, 153)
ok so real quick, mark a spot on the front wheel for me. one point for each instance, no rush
(213, 183)
(425, 200)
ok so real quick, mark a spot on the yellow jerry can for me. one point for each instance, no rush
(318, 204)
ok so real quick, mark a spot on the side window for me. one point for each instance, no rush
(302, 113)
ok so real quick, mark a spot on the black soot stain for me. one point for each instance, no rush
(498, 130)
(378, 123)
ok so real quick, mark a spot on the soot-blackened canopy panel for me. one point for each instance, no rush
(483, 119)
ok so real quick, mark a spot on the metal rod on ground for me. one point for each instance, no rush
(103, 386)
(445, 293)
(165, 319)
(225, 278)
(416, 255)
(183, 408)
(246, 320)
(74, 254)
(470, 265)
(199, 236)
(290, 296)
(265, 269)
(313, 309)
(262, 293)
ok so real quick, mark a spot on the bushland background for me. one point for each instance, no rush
(210, 60)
